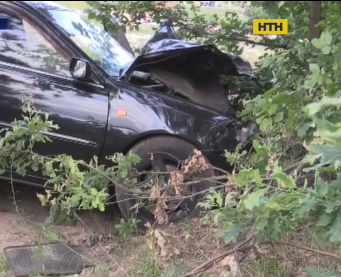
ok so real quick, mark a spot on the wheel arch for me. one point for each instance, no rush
(148, 135)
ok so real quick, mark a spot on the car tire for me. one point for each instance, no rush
(169, 149)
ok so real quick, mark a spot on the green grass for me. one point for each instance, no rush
(3, 267)
(76, 5)
(220, 12)
(208, 11)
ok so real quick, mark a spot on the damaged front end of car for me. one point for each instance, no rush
(194, 72)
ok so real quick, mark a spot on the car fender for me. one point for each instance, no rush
(136, 114)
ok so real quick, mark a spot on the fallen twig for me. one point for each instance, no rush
(242, 248)
(308, 249)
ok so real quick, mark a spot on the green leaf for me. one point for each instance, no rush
(307, 205)
(318, 43)
(310, 82)
(326, 37)
(303, 129)
(281, 4)
(331, 205)
(252, 200)
(272, 109)
(314, 68)
(329, 154)
(321, 186)
(335, 65)
(272, 204)
(326, 50)
(314, 108)
(330, 274)
(279, 117)
(231, 234)
(91, 16)
(334, 233)
(322, 59)
(324, 220)
(312, 272)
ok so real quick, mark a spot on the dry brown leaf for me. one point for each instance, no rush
(147, 225)
(161, 243)
(232, 193)
(175, 181)
(176, 252)
(155, 192)
(271, 160)
(231, 198)
(282, 185)
(155, 241)
(160, 213)
(194, 163)
(160, 247)
(149, 236)
(229, 266)
(263, 250)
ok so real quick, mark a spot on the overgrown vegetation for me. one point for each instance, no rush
(71, 184)
(290, 179)
(291, 176)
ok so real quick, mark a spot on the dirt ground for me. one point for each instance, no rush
(170, 252)
(21, 219)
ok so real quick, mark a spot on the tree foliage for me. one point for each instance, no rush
(291, 177)
(71, 185)
(293, 174)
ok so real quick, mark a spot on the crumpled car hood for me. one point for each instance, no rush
(165, 45)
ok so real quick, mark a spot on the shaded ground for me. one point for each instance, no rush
(121, 251)
(124, 253)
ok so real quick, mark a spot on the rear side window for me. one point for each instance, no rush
(23, 44)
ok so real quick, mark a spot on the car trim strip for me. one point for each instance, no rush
(60, 136)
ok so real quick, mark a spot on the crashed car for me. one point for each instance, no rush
(162, 105)
(190, 70)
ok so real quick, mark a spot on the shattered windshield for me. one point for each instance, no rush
(93, 40)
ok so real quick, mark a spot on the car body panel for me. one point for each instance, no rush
(80, 109)
(149, 113)
(88, 113)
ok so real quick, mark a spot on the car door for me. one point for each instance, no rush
(32, 64)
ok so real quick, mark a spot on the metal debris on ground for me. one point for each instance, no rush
(55, 259)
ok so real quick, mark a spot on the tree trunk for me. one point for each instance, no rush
(314, 19)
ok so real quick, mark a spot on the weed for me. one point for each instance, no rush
(126, 228)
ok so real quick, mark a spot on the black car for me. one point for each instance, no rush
(105, 100)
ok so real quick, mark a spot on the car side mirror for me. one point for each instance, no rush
(80, 69)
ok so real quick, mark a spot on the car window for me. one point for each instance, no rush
(23, 44)
(92, 39)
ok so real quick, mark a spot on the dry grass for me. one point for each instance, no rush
(191, 243)
(283, 261)
(186, 245)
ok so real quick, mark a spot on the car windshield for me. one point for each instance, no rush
(92, 39)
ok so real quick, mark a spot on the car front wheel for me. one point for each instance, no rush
(164, 154)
